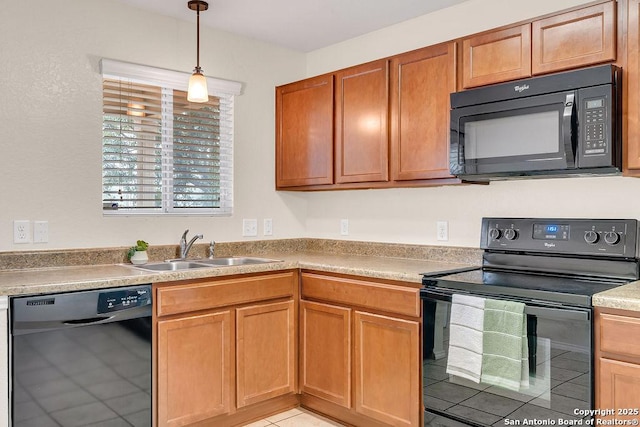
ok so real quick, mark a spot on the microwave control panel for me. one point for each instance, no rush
(594, 126)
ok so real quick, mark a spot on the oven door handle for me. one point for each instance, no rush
(558, 313)
(533, 310)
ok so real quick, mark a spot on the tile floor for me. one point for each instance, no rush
(297, 417)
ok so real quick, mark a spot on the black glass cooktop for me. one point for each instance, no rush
(549, 288)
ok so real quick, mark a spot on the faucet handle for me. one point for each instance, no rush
(184, 235)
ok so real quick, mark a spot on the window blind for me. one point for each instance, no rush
(163, 154)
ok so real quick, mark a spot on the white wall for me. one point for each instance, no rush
(50, 120)
(50, 138)
(410, 215)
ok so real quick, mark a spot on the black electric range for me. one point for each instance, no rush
(563, 261)
(554, 267)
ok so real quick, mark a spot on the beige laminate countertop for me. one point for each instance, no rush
(625, 297)
(62, 279)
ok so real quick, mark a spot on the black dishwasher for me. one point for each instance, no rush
(81, 358)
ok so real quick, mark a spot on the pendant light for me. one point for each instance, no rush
(198, 82)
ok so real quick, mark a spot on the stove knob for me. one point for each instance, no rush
(494, 233)
(510, 234)
(611, 237)
(591, 237)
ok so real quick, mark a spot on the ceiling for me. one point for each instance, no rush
(302, 25)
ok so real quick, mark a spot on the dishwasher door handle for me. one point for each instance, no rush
(90, 321)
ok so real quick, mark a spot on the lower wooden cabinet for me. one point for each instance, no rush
(325, 352)
(617, 363)
(225, 349)
(194, 354)
(265, 352)
(362, 367)
(619, 385)
(387, 369)
(229, 351)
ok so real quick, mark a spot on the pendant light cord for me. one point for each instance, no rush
(198, 40)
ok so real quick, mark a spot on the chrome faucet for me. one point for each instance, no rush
(212, 248)
(184, 246)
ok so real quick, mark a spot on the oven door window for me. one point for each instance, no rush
(531, 134)
(559, 372)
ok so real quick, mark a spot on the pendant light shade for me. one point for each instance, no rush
(197, 91)
(197, 87)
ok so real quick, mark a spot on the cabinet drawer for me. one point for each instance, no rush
(209, 293)
(376, 296)
(615, 332)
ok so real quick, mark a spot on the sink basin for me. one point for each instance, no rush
(171, 266)
(178, 265)
(230, 261)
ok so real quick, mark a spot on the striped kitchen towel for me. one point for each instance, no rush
(465, 337)
(505, 355)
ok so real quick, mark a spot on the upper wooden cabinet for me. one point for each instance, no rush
(631, 86)
(390, 124)
(304, 132)
(421, 82)
(496, 56)
(361, 135)
(574, 39)
(567, 40)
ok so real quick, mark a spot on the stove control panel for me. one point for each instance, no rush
(615, 238)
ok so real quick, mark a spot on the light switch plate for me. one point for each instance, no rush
(267, 227)
(442, 230)
(344, 227)
(40, 231)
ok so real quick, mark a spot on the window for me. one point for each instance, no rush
(160, 153)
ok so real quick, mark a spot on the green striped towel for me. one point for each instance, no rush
(505, 351)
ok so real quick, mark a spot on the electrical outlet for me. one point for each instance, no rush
(40, 231)
(22, 231)
(442, 230)
(344, 227)
(249, 227)
(267, 227)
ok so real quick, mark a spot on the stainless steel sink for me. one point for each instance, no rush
(230, 261)
(171, 266)
(178, 265)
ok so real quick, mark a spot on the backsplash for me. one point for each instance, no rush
(118, 255)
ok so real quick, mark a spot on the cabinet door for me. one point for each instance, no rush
(387, 377)
(325, 352)
(497, 56)
(304, 132)
(421, 82)
(574, 39)
(194, 366)
(619, 383)
(631, 149)
(265, 352)
(362, 140)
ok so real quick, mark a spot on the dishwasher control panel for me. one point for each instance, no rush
(116, 300)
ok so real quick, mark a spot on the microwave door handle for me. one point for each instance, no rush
(567, 129)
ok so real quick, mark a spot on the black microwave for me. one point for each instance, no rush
(557, 125)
